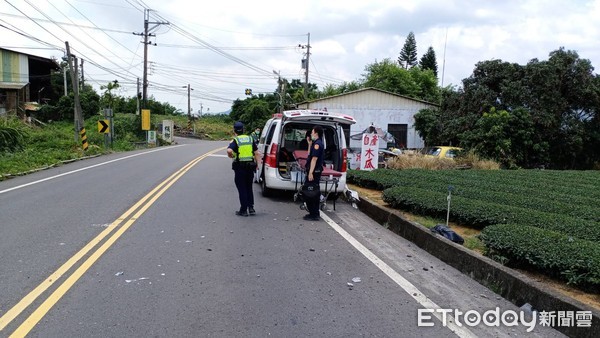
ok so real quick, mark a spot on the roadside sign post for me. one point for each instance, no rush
(167, 130)
(146, 123)
(369, 152)
(450, 188)
(107, 130)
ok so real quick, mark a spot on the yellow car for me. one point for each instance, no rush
(442, 152)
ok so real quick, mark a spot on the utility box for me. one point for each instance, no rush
(167, 130)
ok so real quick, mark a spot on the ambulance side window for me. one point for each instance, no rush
(270, 133)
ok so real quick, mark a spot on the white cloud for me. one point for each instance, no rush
(263, 36)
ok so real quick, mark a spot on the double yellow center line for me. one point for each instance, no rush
(122, 224)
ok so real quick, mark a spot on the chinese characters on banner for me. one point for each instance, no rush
(369, 152)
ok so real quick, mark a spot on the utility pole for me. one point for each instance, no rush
(78, 116)
(82, 78)
(280, 90)
(146, 34)
(145, 76)
(305, 66)
(65, 78)
(189, 106)
(138, 97)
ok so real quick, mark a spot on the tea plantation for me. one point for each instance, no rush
(542, 220)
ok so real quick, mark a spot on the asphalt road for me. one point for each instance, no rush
(146, 243)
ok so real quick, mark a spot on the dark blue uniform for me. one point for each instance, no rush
(316, 150)
(244, 175)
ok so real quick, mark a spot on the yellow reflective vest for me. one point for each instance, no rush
(244, 153)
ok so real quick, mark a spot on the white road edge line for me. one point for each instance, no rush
(82, 169)
(396, 277)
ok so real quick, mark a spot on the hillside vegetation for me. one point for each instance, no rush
(25, 147)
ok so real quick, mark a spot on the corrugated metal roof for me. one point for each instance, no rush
(12, 85)
(52, 62)
(366, 90)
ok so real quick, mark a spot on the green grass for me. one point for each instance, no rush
(53, 143)
(42, 147)
(471, 236)
(428, 222)
(214, 127)
(474, 243)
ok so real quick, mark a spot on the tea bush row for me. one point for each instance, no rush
(480, 214)
(574, 260)
(493, 188)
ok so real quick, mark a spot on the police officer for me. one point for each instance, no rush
(244, 152)
(314, 168)
(256, 135)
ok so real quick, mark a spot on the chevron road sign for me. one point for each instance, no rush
(103, 126)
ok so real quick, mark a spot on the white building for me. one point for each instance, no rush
(391, 112)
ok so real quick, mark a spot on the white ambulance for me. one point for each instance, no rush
(283, 151)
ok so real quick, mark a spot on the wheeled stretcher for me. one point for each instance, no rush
(328, 183)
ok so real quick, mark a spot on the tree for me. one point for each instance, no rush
(330, 89)
(502, 136)
(543, 113)
(428, 61)
(564, 98)
(253, 111)
(295, 90)
(408, 54)
(427, 123)
(387, 75)
(426, 82)
(439, 126)
(108, 97)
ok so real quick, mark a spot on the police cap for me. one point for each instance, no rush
(238, 126)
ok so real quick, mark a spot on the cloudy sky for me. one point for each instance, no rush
(222, 47)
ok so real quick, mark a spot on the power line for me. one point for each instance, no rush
(66, 23)
(82, 42)
(29, 37)
(230, 48)
(42, 27)
(217, 50)
(103, 31)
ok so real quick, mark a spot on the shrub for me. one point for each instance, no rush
(574, 260)
(415, 161)
(420, 161)
(12, 135)
(472, 160)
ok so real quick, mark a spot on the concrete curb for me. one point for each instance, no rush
(512, 285)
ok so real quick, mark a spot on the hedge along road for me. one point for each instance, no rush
(149, 245)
